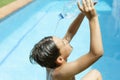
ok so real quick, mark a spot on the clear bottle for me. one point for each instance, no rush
(70, 9)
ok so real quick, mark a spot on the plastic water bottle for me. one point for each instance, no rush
(70, 9)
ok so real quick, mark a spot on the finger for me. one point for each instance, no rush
(79, 6)
(84, 3)
(91, 3)
(88, 3)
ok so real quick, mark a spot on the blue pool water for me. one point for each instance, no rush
(22, 29)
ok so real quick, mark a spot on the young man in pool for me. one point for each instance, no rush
(52, 52)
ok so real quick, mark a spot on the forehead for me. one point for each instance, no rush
(57, 41)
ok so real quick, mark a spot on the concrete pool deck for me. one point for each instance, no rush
(12, 7)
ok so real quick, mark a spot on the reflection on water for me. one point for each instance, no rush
(116, 14)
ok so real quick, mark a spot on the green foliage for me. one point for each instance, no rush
(5, 2)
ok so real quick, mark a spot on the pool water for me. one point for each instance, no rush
(22, 29)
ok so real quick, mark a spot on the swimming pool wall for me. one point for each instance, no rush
(14, 22)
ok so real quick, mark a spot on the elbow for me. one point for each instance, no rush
(98, 53)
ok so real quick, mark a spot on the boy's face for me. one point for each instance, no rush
(64, 47)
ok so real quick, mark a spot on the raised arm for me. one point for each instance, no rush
(73, 27)
(95, 33)
(96, 49)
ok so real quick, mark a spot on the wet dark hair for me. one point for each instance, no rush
(45, 53)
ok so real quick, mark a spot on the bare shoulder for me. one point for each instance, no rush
(70, 69)
(59, 74)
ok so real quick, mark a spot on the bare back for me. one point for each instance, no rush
(55, 74)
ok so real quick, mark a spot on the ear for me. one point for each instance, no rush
(59, 60)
